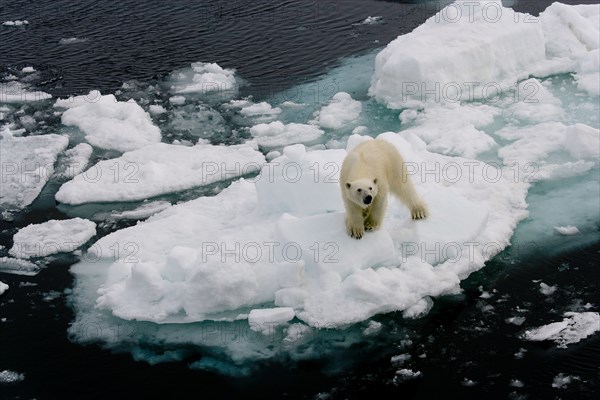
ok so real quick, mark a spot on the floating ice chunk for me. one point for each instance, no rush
(51, 237)
(214, 258)
(204, 78)
(158, 169)
(142, 212)
(419, 309)
(17, 22)
(71, 40)
(547, 289)
(177, 100)
(17, 266)
(8, 376)
(108, 123)
(262, 109)
(156, 109)
(561, 380)
(372, 20)
(3, 287)
(372, 328)
(573, 328)
(405, 374)
(516, 383)
(265, 319)
(342, 108)
(14, 92)
(278, 134)
(463, 37)
(28, 70)
(27, 164)
(75, 161)
(566, 230)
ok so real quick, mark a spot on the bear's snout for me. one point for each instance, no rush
(368, 199)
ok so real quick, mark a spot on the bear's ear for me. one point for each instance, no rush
(375, 181)
(348, 185)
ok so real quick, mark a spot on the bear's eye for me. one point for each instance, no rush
(370, 188)
(359, 190)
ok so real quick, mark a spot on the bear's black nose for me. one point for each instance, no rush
(368, 199)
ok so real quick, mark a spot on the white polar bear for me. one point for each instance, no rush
(369, 172)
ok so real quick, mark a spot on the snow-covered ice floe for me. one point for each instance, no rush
(158, 169)
(3, 287)
(51, 237)
(108, 123)
(256, 243)
(572, 329)
(27, 164)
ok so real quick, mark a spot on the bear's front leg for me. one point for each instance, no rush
(375, 217)
(419, 211)
(355, 226)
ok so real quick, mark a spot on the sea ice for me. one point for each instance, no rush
(75, 161)
(17, 266)
(108, 123)
(14, 92)
(265, 319)
(278, 134)
(3, 287)
(573, 328)
(342, 108)
(242, 245)
(8, 376)
(27, 164)
(158, 169)
(463, 38)
(566, 230)
(54, 236)
(203, 78)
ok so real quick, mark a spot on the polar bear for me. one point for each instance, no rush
(369, 172)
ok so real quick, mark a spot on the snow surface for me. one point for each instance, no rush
(51, 237)
(573, 328)
(342, 108)
(17, 266)
(27, 164)
(158, 169)
(14, 92)
(204, 78)
(108, 123)
(212, 257)
(490, 51)
(75, 160)
(278, 134)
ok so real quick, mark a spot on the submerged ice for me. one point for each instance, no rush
(487, 145)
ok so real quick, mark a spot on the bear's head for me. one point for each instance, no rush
(362, 192)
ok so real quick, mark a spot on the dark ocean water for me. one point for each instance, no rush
(463, 348)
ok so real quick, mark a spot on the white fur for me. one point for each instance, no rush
(375, 168)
